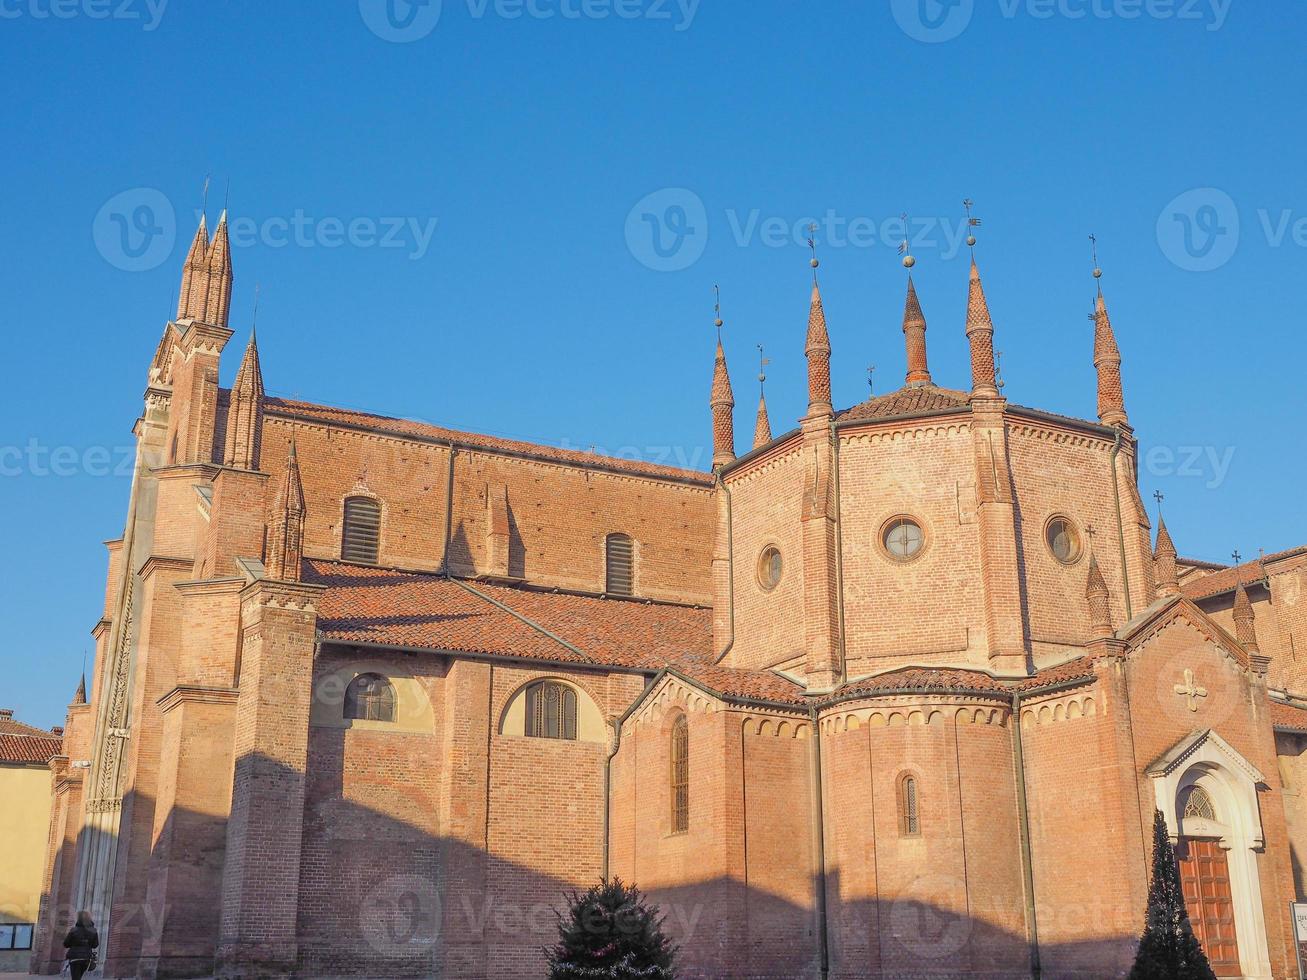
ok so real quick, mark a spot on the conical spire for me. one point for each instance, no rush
(80, 696)
(286, 535)
(195, 276)
(1164, 555)
(1243, 620)
(245, 411)
(1107, 362)
(762, 427)
(723, 411)
(219, 273)
(1099, 600)
(817, 350)
(914, 336)
(980, 334)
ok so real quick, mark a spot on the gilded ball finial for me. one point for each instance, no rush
(762, 378)
(971, 241)
(909, 261)
(717, 322)
(1098, 273)
(813, 262)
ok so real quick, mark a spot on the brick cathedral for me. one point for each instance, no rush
(895, 692)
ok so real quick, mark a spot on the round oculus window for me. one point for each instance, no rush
(770, 567)
(1063, 540)
(903, 538)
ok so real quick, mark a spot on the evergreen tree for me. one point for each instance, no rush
(1168, 949)
(610, 932)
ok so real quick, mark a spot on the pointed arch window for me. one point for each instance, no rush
(680, 775)
(619, 565)
(909, 814)
(550, 710)
(360, 538)
(370, 697)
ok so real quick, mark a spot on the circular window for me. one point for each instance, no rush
(902, 538)
(1063, 540)
(769, 567)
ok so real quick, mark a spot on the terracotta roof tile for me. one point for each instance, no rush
(325, 414)
(31, 749)
(1288, 716)
(906, 401)
(394, 608)
(734, 683)
(1228, 578)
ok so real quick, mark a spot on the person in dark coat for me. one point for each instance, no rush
(81, 942)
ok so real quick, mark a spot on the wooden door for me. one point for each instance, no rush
(1205, 881)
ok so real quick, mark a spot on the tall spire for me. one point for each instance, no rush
(762, 425)
(1243, 620)
(1099, 601)
(195, 276)
(219, 274)
(286, 534)
(980, 334)
(722, 401)
(1164, 555)
(914, 336)
(817, 347)
(245, 411)
(80, 696)
(1107, 362)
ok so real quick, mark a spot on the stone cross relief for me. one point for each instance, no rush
(1190, 691)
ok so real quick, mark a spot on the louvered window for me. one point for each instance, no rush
(619, 558)
(370, 697)
(680, 776)
(361, 538)
(909, 819)
(550, 710)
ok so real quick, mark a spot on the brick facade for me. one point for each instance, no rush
(938, 761)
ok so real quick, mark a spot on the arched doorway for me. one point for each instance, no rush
(1208, 793)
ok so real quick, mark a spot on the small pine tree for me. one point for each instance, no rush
(1168, 949)
(610, 932)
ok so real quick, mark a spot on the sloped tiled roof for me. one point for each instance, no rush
(907, 401)
(410, 609)
(1289, 717)
(27, 744)
(328, 415)
(735, 683)
(1227, 579)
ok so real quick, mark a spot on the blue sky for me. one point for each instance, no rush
(452, 218)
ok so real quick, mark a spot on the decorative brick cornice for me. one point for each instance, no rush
(184, 693)
(212, 586)
(202, 338)
(101, 628)
(156, 563)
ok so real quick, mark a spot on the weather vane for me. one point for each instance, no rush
(972, 223)
(1098, 272)
(998, 368)
(762, 368)
(717, 309)
(812, 244)
(905, 247)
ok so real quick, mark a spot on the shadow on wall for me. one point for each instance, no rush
(380, 895)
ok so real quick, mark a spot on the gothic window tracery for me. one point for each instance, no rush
(370, 697)
(680, 775)
(550, 710)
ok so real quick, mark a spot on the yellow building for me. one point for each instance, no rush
(25, 754)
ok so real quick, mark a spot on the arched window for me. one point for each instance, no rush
(619, 565)
(680, 776)
(1199, 805)
(370, 697)
(909, 818)
(550, 710)
(360, 539)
